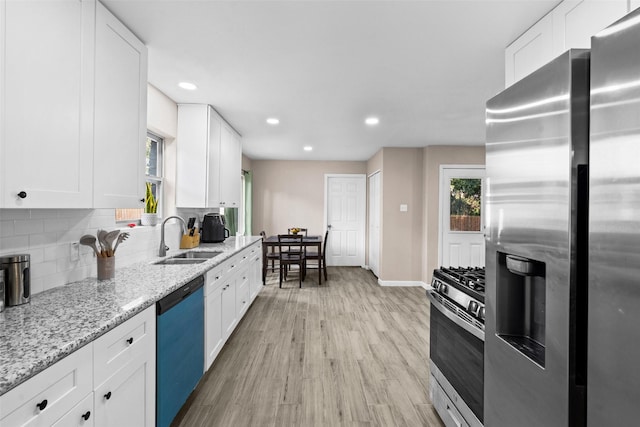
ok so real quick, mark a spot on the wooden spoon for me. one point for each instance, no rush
(109, 238)
(90, 241)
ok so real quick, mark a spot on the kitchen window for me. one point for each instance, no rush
(153, 175)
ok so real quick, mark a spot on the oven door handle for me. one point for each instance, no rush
(478, 333)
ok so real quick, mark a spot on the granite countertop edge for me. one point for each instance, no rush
(64, 319)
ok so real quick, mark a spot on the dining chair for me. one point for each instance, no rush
(302, 232)
(272, 256)
(294, 257)
(312, 254)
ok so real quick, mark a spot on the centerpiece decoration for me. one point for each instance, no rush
(295, 230)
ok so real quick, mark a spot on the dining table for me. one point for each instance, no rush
(272, 242)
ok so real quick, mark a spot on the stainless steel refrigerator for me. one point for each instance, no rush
(613, 378)
(537, 199)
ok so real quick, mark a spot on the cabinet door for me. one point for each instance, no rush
(242, 292)
(575, 21)
(530, 51)
(229, 317)
(191, 156)
(128, 397)
(214, 159)
(120, 114)
(213, 333)
(230, 168)
(45, 131)
(256, 274)
(80, 416)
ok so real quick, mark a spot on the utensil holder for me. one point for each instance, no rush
(188, 242)
(106, 268)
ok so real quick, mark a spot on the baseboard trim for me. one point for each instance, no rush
(402, 283)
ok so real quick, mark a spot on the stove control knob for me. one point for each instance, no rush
(443, 289)
(473, 308)
(481, 313)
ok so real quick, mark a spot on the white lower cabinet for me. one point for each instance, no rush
(124, 373)
(47, 397)
(214, 340)
(229, 291)
(228, 307)
(80, 416)
(109, 382)
(124, 399)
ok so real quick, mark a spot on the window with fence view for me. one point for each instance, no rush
(465, 204)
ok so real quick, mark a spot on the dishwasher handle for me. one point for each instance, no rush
(166, 303)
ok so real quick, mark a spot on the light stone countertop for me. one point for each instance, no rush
(58, 322)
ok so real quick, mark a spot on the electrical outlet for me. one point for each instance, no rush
(74, 251)
(404, 208)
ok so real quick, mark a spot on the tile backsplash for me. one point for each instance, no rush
(48, 236)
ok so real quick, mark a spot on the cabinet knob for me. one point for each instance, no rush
(42, 404)
(86, 415)
(22, 194)
(130, 340)
(107, 396)
(142, 200)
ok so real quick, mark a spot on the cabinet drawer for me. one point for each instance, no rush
(213, 279)
(80, 416)
(45, 398)
(123, 344)
(242, 293)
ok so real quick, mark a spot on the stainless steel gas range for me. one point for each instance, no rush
(456, 386)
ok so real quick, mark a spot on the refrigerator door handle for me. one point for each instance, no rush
(476, 332)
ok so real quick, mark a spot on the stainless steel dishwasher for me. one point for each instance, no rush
(179, 348)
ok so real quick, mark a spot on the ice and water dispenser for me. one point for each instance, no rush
(520, 305)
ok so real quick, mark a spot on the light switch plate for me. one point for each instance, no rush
(404, 208)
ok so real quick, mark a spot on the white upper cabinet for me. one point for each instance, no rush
(120, 114)
(73, 99)
(569, 25)
(574, 22)
(530, 51)
(209, 159)
(230, 168)
(46, 148)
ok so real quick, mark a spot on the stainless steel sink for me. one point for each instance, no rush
(191, 257)
(180, 261)
(197, 255)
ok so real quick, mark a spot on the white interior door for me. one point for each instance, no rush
(374, 223)
(461, 216)
(345, 198)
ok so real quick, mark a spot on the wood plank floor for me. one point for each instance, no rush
(347, 353)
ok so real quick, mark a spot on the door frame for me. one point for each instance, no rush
(377, 172)
(363, 221)
(443, 198)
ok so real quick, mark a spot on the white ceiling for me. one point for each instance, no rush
(425, 68)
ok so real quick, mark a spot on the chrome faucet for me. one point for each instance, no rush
(163, 247)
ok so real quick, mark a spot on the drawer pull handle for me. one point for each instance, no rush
(108, 395)
(42, 404)
(22, 194)
(86, 415)
(130, 340)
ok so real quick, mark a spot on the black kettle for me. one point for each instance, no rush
(213, 230)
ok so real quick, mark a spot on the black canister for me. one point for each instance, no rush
(17, 279)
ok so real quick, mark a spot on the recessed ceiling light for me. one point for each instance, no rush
(187, 86)
(372, 121)
(273, 121)
(308, 148)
